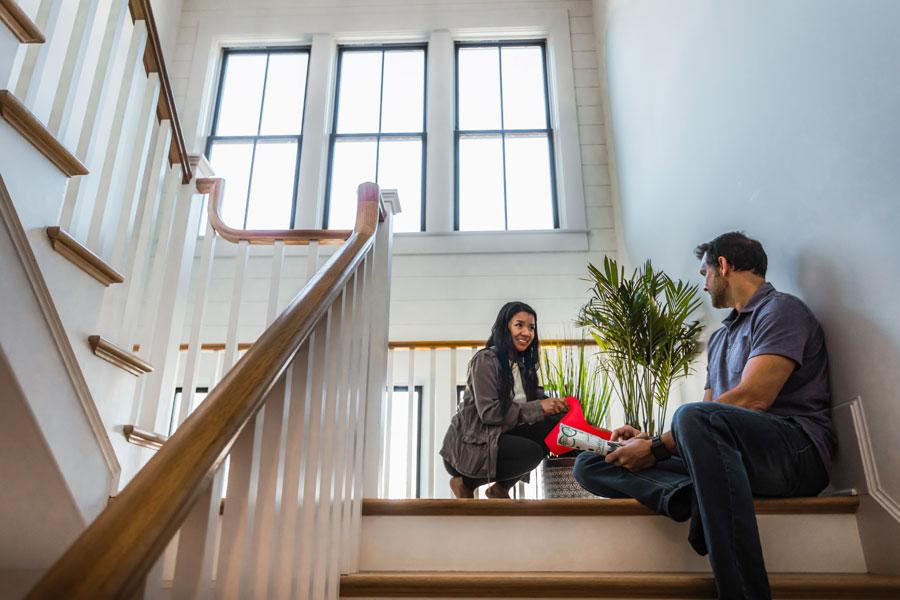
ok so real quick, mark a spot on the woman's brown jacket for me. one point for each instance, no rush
(471, 441)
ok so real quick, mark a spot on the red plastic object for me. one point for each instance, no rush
(573, 418)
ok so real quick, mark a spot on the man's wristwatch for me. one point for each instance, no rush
(658, 449)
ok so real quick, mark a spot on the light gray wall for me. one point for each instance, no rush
(167, 14)
(781, 119)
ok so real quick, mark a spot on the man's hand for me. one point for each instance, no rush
(635, 455)
(626, 432)
(552, 406)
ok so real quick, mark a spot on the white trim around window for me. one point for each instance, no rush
(440, 28)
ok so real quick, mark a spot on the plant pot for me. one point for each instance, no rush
(557, 480)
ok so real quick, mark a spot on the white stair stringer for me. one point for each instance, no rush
(57, 464)
(806, 543)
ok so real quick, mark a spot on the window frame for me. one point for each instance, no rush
(212, 137)
(457, 133)
(419, 395)
(334, 136)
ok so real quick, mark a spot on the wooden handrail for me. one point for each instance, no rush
(267, 237)
(220, 346)
(425, 344)
(111, 558)
(154, 63)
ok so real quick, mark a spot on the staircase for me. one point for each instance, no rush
(102, 243)
(596, 548)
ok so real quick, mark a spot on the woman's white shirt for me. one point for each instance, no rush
(518, 388)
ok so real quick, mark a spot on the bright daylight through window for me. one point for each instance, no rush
(379, 124)
(505, 176)
(256, 135)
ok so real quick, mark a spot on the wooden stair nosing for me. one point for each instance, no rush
(458, 584)
(583, 507)
(111, 353)
(144, 438)
(30, 127)
(82, 257)
(19, 23)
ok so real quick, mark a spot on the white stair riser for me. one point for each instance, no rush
(791, 543)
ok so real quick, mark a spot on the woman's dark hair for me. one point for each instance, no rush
(528, 361)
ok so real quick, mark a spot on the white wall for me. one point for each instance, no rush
(781, 119)
(167, 14)
(436, 294)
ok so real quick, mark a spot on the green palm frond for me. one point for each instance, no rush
(646, 342)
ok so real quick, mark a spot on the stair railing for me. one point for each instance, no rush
(296, 421)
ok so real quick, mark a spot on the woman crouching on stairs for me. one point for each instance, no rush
(497, 434)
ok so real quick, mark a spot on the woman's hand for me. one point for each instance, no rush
(552, 406)
(626, 432)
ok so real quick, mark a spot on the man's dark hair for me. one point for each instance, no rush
(741, 252)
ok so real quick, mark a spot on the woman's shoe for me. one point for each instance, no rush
(497, 491)
(460, 489)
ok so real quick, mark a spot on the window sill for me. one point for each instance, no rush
(490, 242)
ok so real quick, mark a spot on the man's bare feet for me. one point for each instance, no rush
(460, 489)
(497, 491)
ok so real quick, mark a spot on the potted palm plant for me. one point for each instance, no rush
(646, 340)
(566, 371)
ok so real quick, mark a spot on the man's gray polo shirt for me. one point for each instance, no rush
(776, 323)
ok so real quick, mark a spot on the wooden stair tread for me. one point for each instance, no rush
(30, 127)
(460, 584)
(82, 257)
(19, 23)
(579, 507)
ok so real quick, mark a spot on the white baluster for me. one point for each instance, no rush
(48, 69)
(306, 540)
(329, 426)
(153, 255)
(177, 258)
(299, 382)
(234, 314)
(144, 141)
(35, 55)
(117, 154)
(194, 352)
(380, 307)
(95, 128)
(275, 280)
(138, 245)
(412, 413)
(237, 522)
(343, 437)
(428, 429)
(197, 544)
(362, 393)
(87, 23)
(267, 463)
(153, 580)
(154, 203)
(312, 259)
(387, 420)
(353, 414)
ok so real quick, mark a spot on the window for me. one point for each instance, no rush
(505, 174)
(200, 394)
(256, 135)
(378, 132)
(405, 419)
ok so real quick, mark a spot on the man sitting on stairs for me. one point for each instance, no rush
(763, 429)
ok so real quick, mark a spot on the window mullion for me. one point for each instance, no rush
(262, 103)
(380, 116)
(503, 138)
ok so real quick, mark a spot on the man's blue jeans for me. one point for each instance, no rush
(728, 455)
